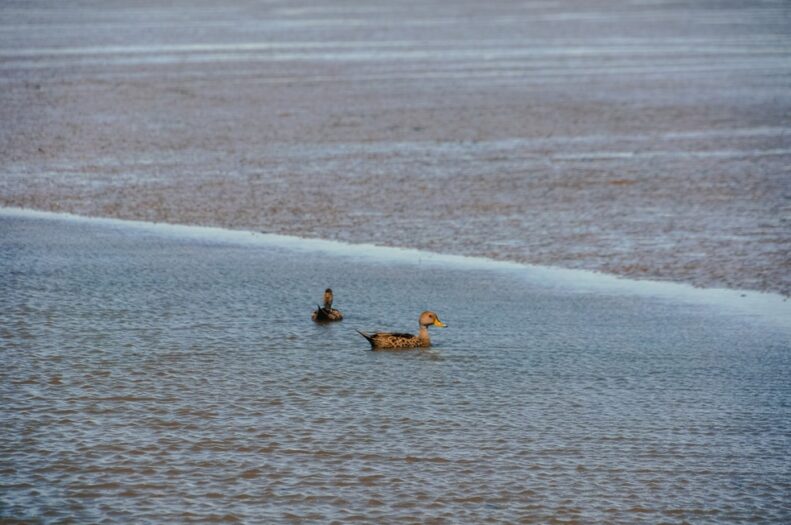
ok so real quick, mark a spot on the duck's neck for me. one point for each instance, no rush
(328, 305)
(423, 334)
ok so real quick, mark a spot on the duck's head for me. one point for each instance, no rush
(328, 298)
(428, 318)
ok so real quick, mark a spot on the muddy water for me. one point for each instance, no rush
(647, 139)
(161, 378)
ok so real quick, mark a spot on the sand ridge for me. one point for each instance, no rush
(643, 140)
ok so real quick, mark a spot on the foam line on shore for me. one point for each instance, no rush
(761, 306)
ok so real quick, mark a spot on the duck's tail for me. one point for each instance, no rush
(368, 337)
(320, 314)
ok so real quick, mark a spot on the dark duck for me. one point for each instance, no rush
(326, 313)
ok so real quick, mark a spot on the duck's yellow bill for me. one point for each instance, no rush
(439, 323)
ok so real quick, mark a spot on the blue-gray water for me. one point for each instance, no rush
(149, 378)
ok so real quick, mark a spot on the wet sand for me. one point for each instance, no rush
(643, 139)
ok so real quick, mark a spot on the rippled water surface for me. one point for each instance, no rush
(163, 379)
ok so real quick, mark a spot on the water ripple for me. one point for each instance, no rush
(161, 379)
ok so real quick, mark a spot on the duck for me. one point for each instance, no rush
(326, 313)
(401, 341)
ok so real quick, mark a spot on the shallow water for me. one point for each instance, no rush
(159, 378)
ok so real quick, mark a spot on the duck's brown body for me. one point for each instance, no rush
(326, 313)
(402, 341)
(394, 341)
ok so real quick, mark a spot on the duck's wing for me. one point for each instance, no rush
(397, 335)
(386, 335)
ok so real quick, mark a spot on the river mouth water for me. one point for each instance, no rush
(159, 376)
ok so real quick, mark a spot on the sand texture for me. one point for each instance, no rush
(645, 139)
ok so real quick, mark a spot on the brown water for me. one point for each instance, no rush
(648, 139)
(156, 377)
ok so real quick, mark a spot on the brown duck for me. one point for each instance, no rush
(326, 313)
(399, 341)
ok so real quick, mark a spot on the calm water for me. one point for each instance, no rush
(150, 378)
